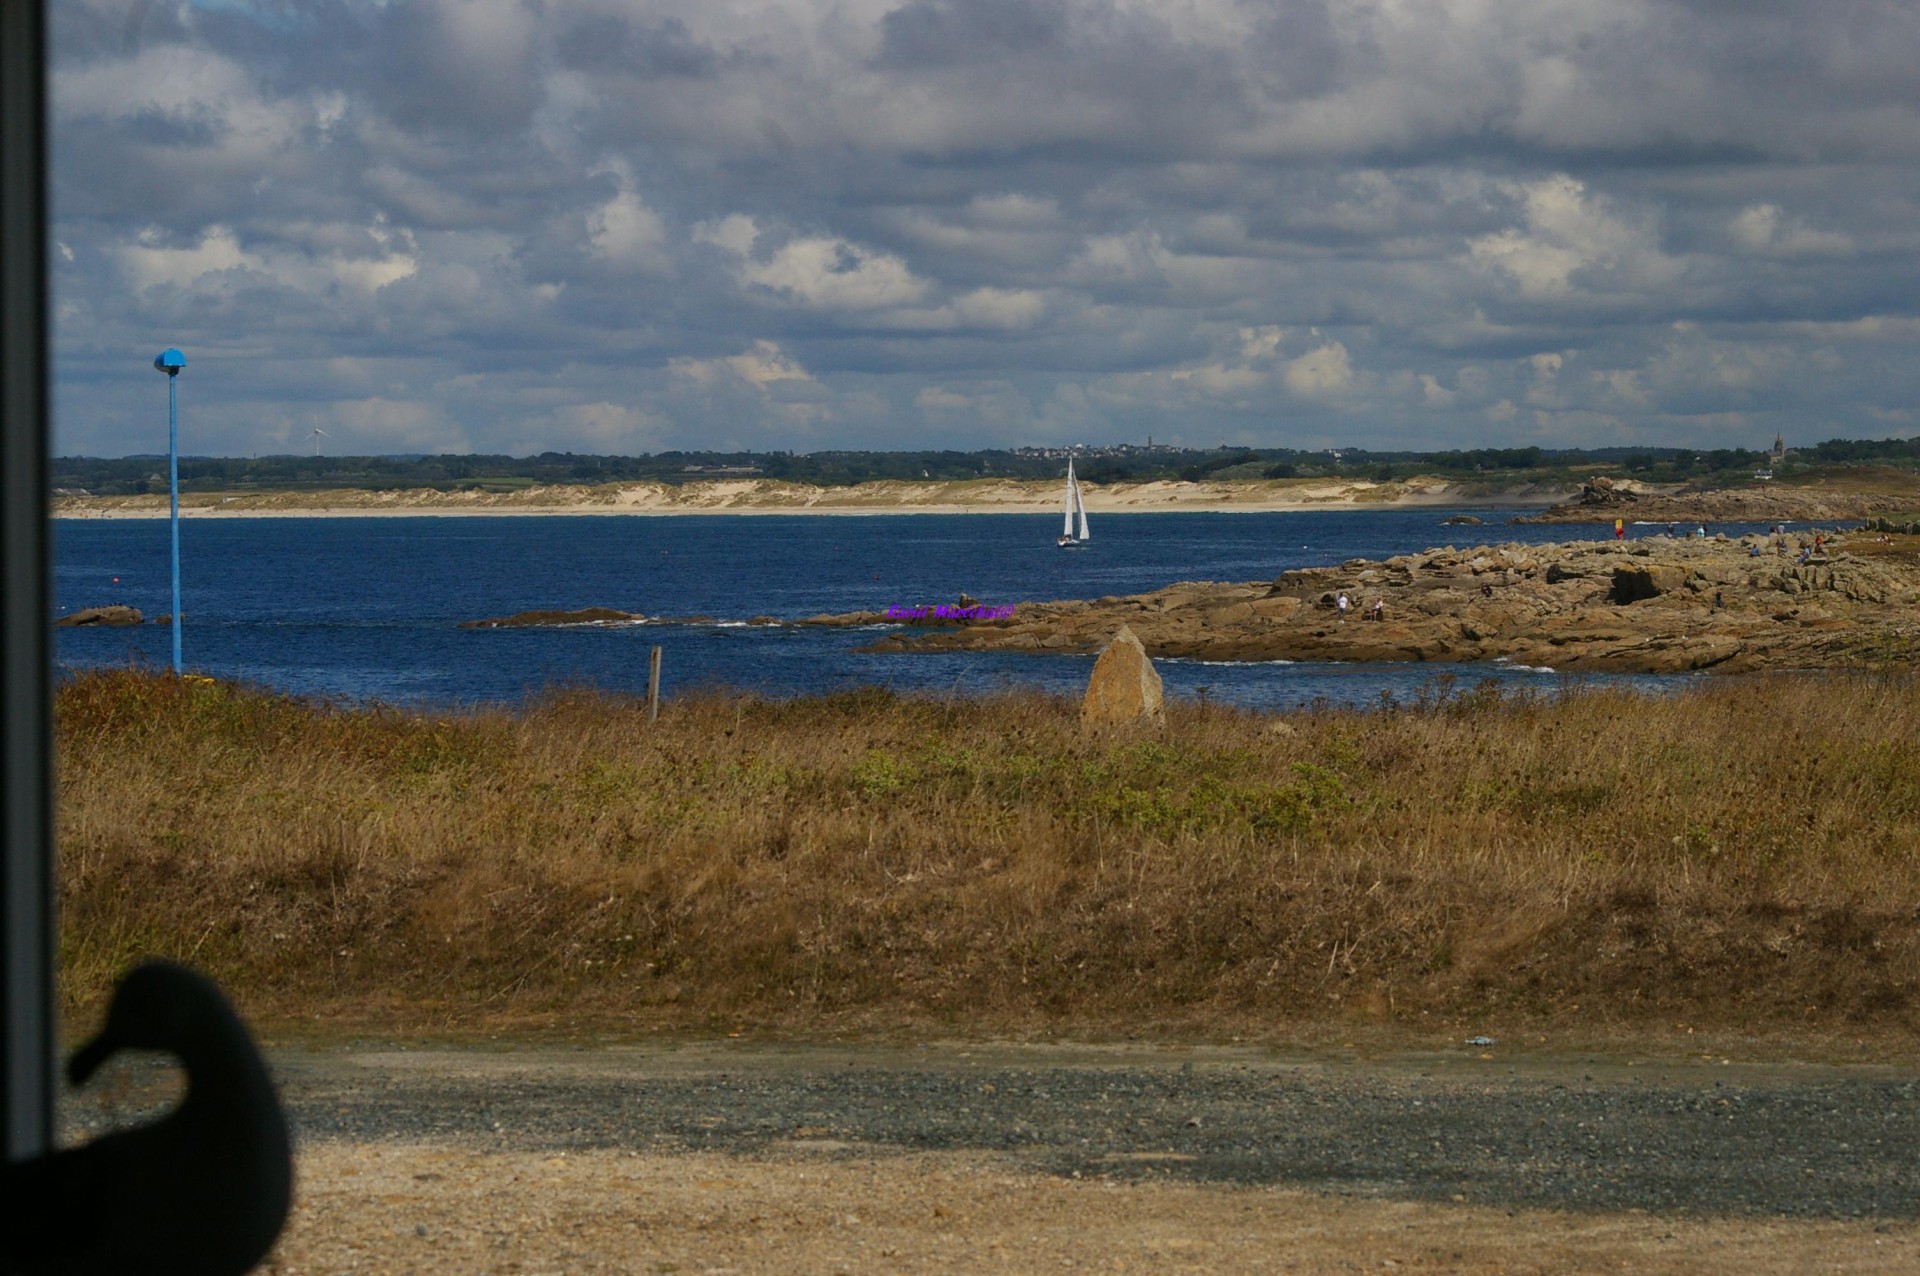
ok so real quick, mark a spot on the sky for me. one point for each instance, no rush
(623, 226)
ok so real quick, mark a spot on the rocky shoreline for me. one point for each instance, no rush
(1602, 500)
(1653, 604)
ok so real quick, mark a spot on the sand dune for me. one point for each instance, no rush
(772, 496)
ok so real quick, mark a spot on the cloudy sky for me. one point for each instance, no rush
(631, 225)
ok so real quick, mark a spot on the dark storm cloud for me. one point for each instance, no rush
(601, 225)
(924, 34)
(471, 70)
(613, 44)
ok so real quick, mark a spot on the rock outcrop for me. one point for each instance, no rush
(585, 616)
(1601, 490)
(1125, 687)
(115, 616)
(1653, 604)
(1601, 500)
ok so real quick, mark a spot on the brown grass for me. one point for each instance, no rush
(1742, 857)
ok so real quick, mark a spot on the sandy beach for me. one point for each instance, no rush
(769, 496)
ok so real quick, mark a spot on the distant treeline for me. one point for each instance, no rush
(1843, 451)
(1123, 464)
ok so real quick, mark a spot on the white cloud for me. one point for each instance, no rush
(1569, 232)
(1433, 394)
(1219, 381)
(1545, 391)
(736, 233)
(1623, 385)
(833, 274)
(763, 365)
(1764, 229)
(624, 232)
(149, 264)
(176, 82)
(1541, 269)
(993, 309)
(1261, 342)
(1013, 209)
(1087, 218)
(1130, 258)
(370, 274)
(1320, 373)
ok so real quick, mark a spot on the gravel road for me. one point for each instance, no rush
(1793, 1162)
(1779, 1141)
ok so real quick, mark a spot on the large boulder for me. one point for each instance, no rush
(1125, 687)
(114, 616)
(1599, 490)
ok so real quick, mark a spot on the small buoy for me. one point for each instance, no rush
(116, 580)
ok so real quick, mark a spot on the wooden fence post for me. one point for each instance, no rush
(653, 686)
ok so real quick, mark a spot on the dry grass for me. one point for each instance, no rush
(1740, 857)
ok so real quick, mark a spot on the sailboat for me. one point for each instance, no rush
(1076, 508)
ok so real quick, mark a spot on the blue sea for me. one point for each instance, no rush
(368, 609)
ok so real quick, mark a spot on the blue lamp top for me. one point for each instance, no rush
(170, 361)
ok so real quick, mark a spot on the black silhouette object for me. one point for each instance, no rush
(203, 1190)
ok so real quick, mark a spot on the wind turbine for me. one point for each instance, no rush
(316, 436)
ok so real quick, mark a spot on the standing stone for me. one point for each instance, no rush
(1125, 687)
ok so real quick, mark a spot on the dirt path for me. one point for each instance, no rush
(758, 1158)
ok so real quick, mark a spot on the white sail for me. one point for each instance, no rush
(1073, 491)
(1080, 502)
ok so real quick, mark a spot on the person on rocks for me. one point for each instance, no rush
(1380, 609)
(1342, 603)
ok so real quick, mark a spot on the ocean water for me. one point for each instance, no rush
(365, 609)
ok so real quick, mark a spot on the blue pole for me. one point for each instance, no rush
(170, 361)
(173, 494)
